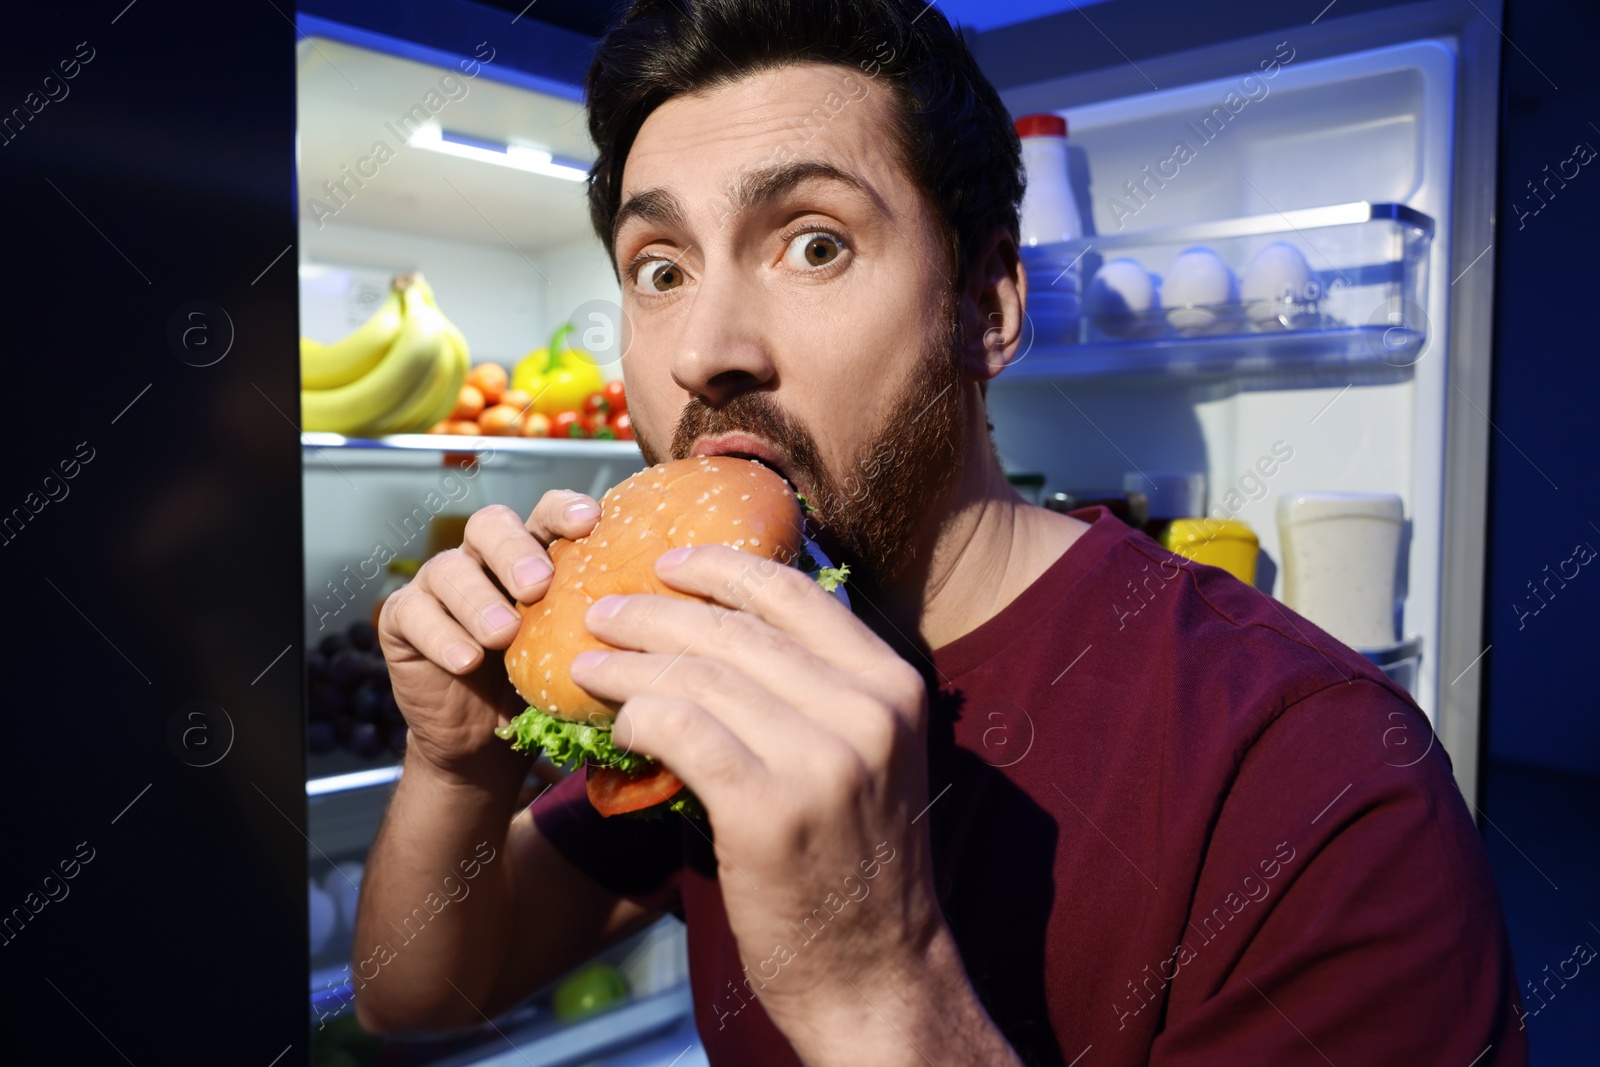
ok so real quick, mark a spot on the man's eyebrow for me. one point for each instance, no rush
(651, 205)
(751, 190)
(761, 187)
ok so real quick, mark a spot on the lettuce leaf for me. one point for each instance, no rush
(831, 578)
(568, 744)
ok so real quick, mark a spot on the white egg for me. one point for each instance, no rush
(1278, 290)
(1120, 298)
(1199, 293)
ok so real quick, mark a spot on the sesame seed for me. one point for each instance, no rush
(756, 541)
(672, 531)
(627, 520)
(691, 533)
(745, 497)
(661, 506)
(739, 542)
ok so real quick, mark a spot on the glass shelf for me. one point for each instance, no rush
(1317, 297)
(1360, 355)
(516, 446)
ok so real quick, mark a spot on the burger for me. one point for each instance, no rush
(704, 500)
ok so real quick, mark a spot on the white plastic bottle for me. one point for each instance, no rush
(1049, 212)
(1049, 216)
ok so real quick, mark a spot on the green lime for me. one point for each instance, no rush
(588, 990)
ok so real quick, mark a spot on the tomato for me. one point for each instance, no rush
(613, 793)
(622, 426)
(567, 424)
(596, 404)
(595, 426)
(616, 397)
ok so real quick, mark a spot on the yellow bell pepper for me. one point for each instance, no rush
(559, 376)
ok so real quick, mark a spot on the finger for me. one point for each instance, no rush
(496, 538)
(563, 513)
(461, 585)
(763, 723)
(694, 744)
(785, 597)
(735, 660)
(412, 618)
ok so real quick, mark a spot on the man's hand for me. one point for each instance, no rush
(804, 736)
(435, 632)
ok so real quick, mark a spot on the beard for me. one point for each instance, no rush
(876, 511)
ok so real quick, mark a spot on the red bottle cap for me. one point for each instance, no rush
(1041, 126)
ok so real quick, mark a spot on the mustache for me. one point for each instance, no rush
(755, 413)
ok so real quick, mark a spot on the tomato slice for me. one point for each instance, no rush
(615, 793)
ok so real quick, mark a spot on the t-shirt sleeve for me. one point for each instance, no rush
(635, 858)
(1345, 910)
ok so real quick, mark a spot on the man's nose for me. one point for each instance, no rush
(723, 350)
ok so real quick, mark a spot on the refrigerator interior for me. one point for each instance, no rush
(511, 256)
(1281, 137)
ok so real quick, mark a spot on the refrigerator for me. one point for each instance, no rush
(178, 584)
(1355, 143)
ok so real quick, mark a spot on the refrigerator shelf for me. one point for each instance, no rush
(440, 443)
(1358, 355)
(1308, 298)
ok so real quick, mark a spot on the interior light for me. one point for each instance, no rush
(518, 157)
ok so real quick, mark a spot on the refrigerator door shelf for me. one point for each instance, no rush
(1303, 298)
(1359, 355)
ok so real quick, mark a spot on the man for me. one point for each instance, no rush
(1050, 795)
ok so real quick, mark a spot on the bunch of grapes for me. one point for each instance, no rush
(351, 705)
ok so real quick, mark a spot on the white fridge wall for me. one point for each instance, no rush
(507, 302)
(1375, 126)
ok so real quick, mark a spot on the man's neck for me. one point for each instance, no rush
(980, 549)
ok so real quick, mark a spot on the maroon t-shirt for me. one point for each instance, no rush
(1173, 821)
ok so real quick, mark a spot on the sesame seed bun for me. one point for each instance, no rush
(706, 500)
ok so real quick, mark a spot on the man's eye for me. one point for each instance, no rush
(662, 275)
(812, 250)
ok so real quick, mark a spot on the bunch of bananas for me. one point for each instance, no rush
(399, 372)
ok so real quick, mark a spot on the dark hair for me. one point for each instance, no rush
(956, 138)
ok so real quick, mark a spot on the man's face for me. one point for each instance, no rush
(790, 300)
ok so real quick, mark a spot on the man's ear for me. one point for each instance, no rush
(992, 303)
